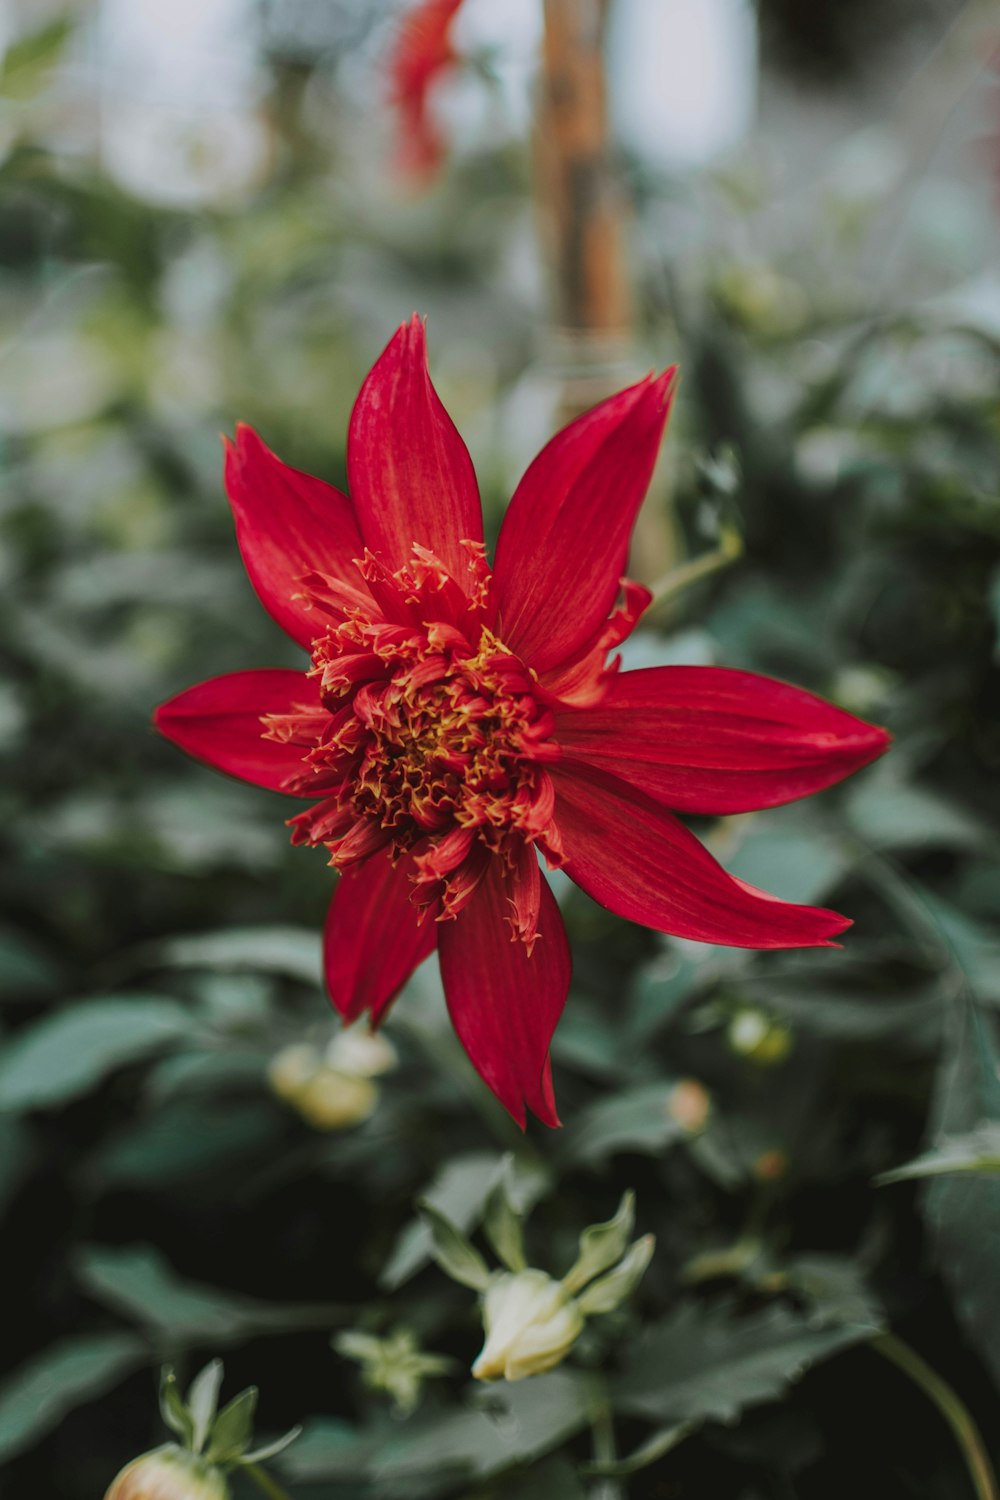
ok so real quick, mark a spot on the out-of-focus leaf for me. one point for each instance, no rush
(189, 1137)
(327, 1449)
(61, 1377)
(502, 1227)
(708, 1365)
(894, 815)
(637, 1120)
(233, 1427)
(16, 1153)
(291, 951)
(789, 857)
(67, 1054)
(24, 969)
(459, 1191)
(963, 1209)
(979, 1151)
(834, 1288)
(27, 61)
(524, 1421)
(137, 1281)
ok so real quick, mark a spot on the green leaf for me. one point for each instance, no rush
(637, 1120)
(709, 1364)
(453, 1252)
(272, 1449)
(328, 1448)
(963, 1209)
(186, 1140)
(202, 1400)
(26, 63)
(57, 1380)
(233, 1428)
(889, 814)
(604, 1295)
(137, 1281)
(502, 1226)
(522, 1422)
(291, 951)
(979, 1151)
(66, 1054)
(790, 857)
(601, 1245)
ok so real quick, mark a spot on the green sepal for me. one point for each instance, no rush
(172, 1409)
(452, 1250)
(502, 1224)
(233, 1428)
(601, 1245)
(611, 1290)
(202, 1400)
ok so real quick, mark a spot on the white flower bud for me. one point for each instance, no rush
(169, 1473)
(361, 1053)
(531, 1324)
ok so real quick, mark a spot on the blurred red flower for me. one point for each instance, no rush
(457, 722)
(423, 50)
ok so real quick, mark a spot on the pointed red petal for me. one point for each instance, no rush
(411, 476)
(219, 722)
(711, 740)
(374, 938)
(638, 860)
(564, 542)
(288, 525)
(505, 1005)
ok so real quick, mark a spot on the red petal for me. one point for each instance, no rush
(288, 525)
(219, 722)
(505, 1005)
(638, 860)
(373, 939)
(422, 52)
(411, 476)
(712, 740)
(564, 542)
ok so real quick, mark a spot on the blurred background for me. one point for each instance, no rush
(205, 217)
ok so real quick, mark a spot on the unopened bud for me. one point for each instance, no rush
(531, 1324)
(169, 1473)
(689, 1104)
(753, 1034)
(333, 1101)
(771, 1166)
(360, 1052)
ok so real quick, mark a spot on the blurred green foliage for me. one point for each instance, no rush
(159, 940)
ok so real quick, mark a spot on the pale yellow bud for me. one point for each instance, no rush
(531, 1324)
(292, 1067)
(755, 1036)
(361, 1053)
(333, 1101)
(169, 1473)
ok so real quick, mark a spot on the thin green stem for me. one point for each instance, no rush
(678, 579)
(951, 1407)
(265, 1483)
(604, 1449)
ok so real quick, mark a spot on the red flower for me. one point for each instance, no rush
(422, 52)
(457, 722)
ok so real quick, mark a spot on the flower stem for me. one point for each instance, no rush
(604, 1450)
(951, 1407)
(730, 548)
(264, 1482)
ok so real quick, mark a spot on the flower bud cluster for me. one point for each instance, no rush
(333, 1089)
